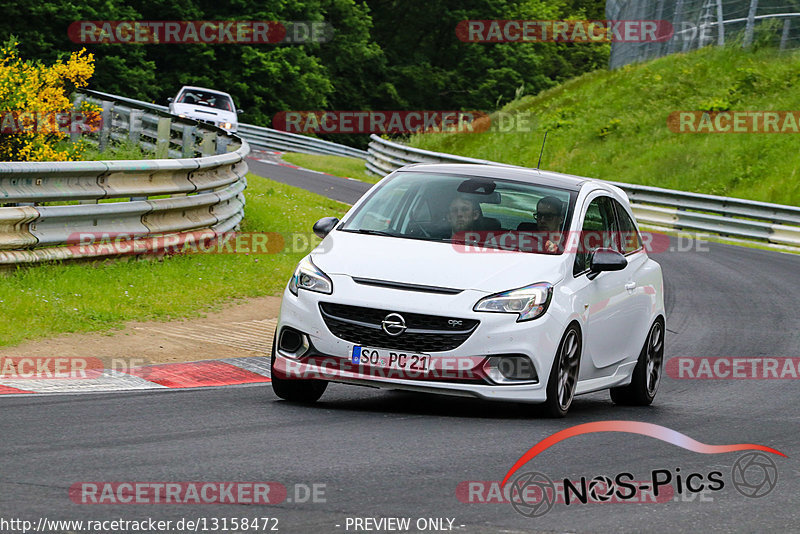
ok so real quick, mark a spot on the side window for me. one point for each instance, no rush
(629, 238)
(598, 230)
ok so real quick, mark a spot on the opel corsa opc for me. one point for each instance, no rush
(492, 282)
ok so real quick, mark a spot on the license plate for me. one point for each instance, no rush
(391, 359)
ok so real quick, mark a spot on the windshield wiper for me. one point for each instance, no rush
(371, 232)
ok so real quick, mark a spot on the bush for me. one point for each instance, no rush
(33, 97)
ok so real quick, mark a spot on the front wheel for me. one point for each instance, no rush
(564, 374)
(297, 390)
(647, 373)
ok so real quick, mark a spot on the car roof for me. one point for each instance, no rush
(205, 89)
(510, 172)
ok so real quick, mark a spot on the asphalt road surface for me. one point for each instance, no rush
(391, 454)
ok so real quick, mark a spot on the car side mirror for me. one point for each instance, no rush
(170, 99)
(605, 259)
(239, 111)
(324, 226)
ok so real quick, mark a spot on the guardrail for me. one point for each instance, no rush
(734, 217)
(270, 139)
(266, 138)
(69, 210)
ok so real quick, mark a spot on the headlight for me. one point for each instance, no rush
(529, 302)
(307, 276)
(225, 126)
(181, 115)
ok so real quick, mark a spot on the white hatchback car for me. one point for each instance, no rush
(499, 283)
(206, 105)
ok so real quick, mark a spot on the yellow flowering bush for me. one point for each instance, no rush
(35, 109)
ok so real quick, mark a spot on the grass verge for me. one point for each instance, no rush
(39, 301)
(117, 150)
(335, 165)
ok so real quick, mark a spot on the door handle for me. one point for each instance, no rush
(630, 286)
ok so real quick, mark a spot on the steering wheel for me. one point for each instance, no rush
(420, 227)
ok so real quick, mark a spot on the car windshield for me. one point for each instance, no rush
(485, 212)
(206, 98)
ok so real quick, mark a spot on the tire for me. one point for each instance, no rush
(647, 373)
(295, 390)
(564, 374)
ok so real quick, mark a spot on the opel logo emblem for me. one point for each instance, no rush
(393, 324)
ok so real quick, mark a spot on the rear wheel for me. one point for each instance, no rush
(295, 390)
(647, 373)
(564, 374)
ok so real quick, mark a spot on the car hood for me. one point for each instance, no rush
(204, 112)
(434, 264)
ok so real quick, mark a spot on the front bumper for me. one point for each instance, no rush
(329, 357)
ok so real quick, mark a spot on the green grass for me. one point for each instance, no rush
(43, 300)
(117, 150)
(336, 165)
(613, 125)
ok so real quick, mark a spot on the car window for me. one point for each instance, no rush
(598, 231)
(380, 213)
(448, 207)
(629, 238)
(206, 98)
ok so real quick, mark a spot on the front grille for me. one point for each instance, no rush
(424, 333)
(407, 287)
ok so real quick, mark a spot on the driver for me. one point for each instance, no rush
(463, 215)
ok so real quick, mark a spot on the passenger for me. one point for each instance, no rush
(549, 221)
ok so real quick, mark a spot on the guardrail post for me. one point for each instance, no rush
(222, 145)
(187, 141)
(162, 142)
(105, 128)
(751, 24)
(720, 24)
(787, 24)
(135, 125)
(75, 135)
(207, 146)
